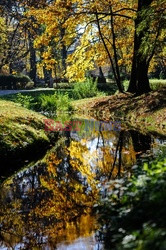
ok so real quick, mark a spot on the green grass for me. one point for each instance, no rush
(86, 89)
(155, 84)
(21, 131)
(80, 104)
(54, 100)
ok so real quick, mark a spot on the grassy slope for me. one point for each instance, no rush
(21, 130)
(146, 111)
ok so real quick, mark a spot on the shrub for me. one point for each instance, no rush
(63, 85)
(58, 101)
(125, 85)
(14, 81)
(47, 102)
(63, 102)
(131, 218)
(29, 85)
(23, 81)
(108, 87)
(7, 82)
(25, 100)
(85, 89)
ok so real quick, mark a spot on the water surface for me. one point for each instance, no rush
(49, 204)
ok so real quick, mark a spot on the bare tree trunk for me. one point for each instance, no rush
(139, 82)
(33, 68)
(114, 68)
(63, 51)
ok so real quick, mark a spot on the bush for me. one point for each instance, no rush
(29, 85)
(58, 101)
(125, 85)
(136, 219)
(7, 82)
(48, 102)
(25, 100)
(63, 102)
(63, 85)
(15, 81)
(85, 89)
(108, 87)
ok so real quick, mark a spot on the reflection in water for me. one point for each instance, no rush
(141, 143)
(49, 205)
(86, 243)
(118, 148)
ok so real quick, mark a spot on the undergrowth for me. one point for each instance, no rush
(134, 212)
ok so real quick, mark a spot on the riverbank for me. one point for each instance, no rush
(145, 112)
(22, 132)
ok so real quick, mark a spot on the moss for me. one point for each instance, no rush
(21, 131)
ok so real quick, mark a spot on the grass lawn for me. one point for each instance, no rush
(21, 131)
(155, 84)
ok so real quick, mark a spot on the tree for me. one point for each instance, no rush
(104, 25)
(148, 26)
(50, 42)
(97, 33)
(3, 39)
(19, 53)
(15, 48)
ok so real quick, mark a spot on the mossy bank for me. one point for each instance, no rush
(22, 133)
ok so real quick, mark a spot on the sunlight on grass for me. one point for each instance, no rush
(19, 128)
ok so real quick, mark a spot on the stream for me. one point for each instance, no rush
(48, 204)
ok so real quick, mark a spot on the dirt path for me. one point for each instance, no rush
(9, 92)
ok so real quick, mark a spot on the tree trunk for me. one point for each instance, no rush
(133, 76)
(33, 69)
(142, 78)
(63, 50)
(114, 68)
(48, 77)
(10, 68)
(64, 57)
(139, 82)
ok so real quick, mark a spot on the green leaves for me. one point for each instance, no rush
(156, 167)
(85, 89)
(136, 218)
(56, 102)
(24, 100)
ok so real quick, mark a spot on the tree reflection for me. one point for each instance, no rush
(52, 201)
(141, 142)
(118, 148)
(48, 202)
